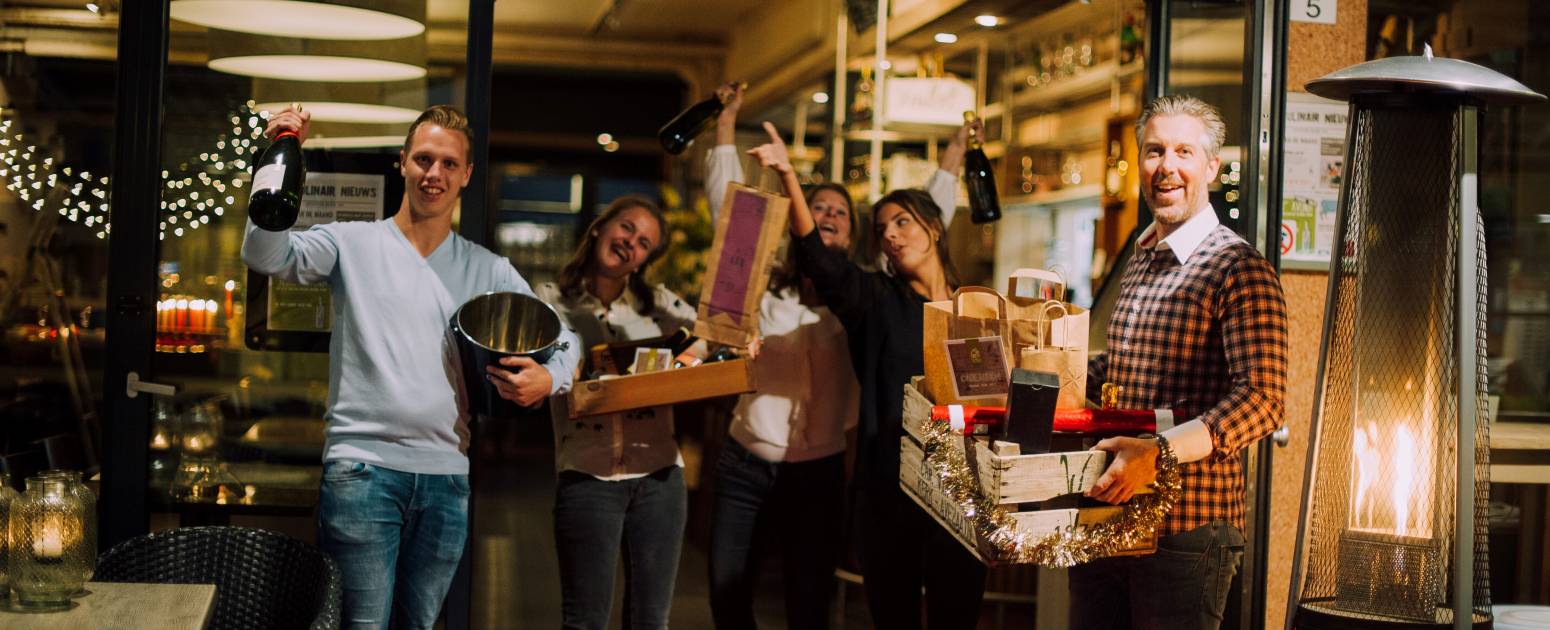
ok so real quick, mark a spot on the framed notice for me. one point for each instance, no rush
(1314, 167)
(339, 187)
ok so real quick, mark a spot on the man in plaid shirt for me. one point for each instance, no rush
(1199, 329)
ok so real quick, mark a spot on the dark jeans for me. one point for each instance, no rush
(902, 550)
(800, 504)
(1182, 586)
(397, 538)
(594, 521)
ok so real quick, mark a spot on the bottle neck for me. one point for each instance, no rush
(286, 134)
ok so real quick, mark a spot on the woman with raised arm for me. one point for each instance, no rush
(621, 486)
(902, 549)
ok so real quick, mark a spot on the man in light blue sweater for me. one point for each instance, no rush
(393, 507)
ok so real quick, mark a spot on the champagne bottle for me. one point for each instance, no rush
(680, 132)
(275, 200)
(979, 177)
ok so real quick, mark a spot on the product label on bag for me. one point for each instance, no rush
(978, 367)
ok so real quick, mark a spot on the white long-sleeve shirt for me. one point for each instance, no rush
(808, 395)
(395, 386)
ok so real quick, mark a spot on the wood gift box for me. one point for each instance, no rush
(636, 391)
(1015, 480)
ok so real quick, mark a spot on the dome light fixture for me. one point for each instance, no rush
(337, 20)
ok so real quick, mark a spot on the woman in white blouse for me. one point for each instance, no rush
(621, 486)
(783, 470)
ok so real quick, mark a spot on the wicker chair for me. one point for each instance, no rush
(262, 579)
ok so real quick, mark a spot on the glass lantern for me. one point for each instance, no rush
(7, 499)
(89, 499)
(48, 548)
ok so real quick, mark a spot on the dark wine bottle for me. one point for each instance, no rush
(979, 177)
(680, 132)
(275, 200)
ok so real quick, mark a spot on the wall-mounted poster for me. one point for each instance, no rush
(1314, 158)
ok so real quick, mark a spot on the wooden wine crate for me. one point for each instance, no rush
(637, 391)
(1002, 472)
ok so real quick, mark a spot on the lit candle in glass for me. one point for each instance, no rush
(210, 315)
(48, 538)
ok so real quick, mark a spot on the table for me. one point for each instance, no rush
(120, 606)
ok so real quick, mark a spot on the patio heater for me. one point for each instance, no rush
(1393, 531)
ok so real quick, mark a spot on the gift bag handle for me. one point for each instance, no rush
(1045, 310)
(1000, 301)
(957, 298)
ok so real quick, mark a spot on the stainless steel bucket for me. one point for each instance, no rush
(496, 325)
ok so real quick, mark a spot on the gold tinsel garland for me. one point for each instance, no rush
(1068, 547)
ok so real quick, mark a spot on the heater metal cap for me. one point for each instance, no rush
(1423, 74)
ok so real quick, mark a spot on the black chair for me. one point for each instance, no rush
(262, 579)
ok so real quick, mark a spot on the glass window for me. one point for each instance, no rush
(56, 136)
(249, 354)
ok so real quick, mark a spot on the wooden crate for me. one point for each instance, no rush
(637, 391)
(1005, 474)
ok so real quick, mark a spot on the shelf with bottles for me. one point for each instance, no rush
(195, 318)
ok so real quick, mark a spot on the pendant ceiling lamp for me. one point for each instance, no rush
(332, 19)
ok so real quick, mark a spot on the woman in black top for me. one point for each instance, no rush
(902, 549)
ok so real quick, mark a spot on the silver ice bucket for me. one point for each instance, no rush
(497, 325)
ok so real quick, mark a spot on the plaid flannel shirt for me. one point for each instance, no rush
(1206, 339)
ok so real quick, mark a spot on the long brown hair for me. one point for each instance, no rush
(925, 211)
(787, 275)
(582, 262)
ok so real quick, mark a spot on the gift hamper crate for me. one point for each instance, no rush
(1008, 478)
(636, 391)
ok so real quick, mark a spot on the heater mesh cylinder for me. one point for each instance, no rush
(1380, 533)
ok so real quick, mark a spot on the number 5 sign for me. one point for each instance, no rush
(1316, 11)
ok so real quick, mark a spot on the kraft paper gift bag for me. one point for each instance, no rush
(748, 233)
(1069, 362)
(974, 313)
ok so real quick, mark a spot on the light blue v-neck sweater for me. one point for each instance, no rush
(395, 396)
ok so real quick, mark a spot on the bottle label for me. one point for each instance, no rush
(270, 177)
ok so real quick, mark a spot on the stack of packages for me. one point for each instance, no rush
(1007, 375)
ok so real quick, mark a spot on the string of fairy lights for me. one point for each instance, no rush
(196, 192)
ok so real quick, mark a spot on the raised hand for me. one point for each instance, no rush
(773, 153)
(289, 120)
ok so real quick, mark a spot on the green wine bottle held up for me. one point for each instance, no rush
(680, 132)
(278, 175)
(980, 178)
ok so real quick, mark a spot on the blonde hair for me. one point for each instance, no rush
(1185, 105)
(444, 116)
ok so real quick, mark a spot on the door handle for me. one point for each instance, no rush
(133, 386)
(1281, 436)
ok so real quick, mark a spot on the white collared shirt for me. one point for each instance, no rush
(1187, 238)
(625, 445)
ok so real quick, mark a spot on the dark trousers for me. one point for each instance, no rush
(798, 504)
(902, 550)
(594, 522)
(1184, 586)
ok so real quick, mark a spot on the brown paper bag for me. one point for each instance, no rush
(974, 312)
(1069, 362)
(737, 271)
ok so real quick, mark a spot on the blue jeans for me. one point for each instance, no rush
(397, 538)
(799, 504)
(1184, 586)
(596, 520)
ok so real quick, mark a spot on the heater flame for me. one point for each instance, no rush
(1389, 471)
